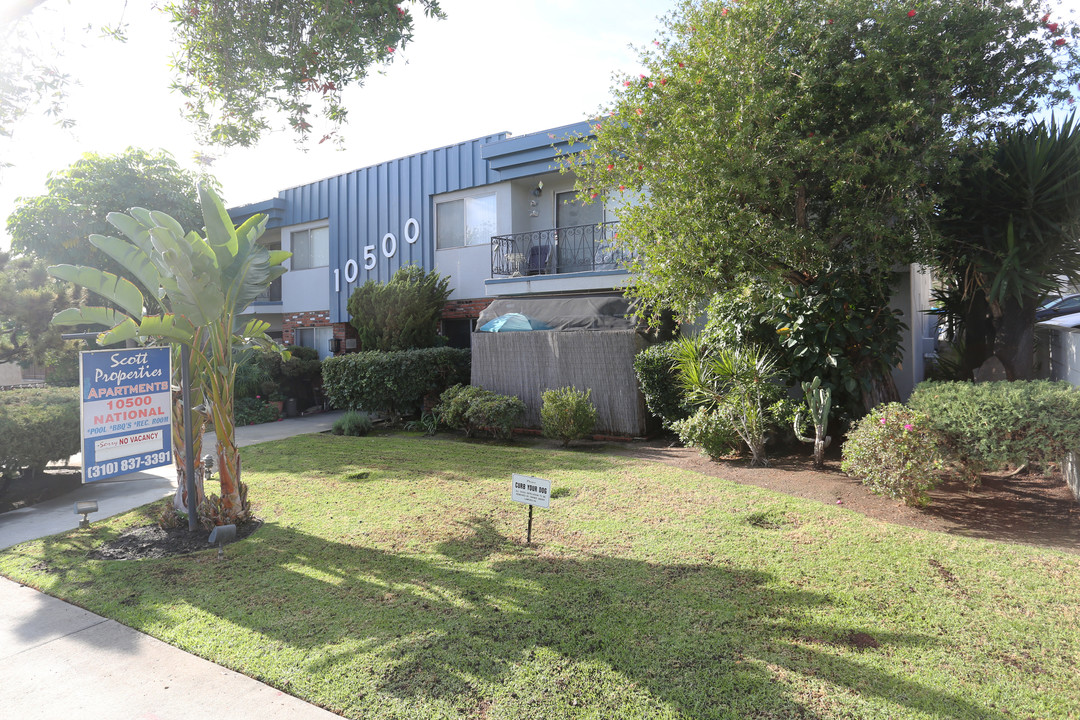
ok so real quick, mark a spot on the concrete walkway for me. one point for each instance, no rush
(58, 661)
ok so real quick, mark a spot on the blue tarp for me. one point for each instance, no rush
(514, 322)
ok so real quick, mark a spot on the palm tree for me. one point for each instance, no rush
(1011, 228)
(201, 286)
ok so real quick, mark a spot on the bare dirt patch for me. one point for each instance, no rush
(151, 541)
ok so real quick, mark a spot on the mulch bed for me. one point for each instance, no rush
(151, 541)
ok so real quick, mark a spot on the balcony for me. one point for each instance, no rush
(578, 249)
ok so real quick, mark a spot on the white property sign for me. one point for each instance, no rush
(530, 490)
(126, 411)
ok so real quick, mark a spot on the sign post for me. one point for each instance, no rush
(126, 407)
(532, 491)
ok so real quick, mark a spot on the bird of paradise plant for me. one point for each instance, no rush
(197, 287)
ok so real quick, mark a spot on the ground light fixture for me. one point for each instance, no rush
(220, 535)
(84, 508)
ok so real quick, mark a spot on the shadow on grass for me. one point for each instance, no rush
(706, 640)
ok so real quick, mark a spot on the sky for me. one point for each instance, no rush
(490, 66)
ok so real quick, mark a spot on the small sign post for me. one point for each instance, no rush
(531, 491)
(126, 411)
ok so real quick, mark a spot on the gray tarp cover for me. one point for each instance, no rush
(593, 312)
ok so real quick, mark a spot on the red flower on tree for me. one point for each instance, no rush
(1059, 42)
(911, 13)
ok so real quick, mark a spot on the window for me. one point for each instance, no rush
(315, 337)
(310, 248)
(469, 221)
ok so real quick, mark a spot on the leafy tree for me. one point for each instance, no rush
(28, 300)
(784, 139)
(27, 78)
(1011, 221)
(202, 285)
(402, 314)
(57, 226)
(237, 62)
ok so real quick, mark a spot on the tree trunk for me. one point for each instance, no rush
(180, 500)
(978, 334)
(1014, 339)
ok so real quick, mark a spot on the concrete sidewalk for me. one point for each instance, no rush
(58, 661)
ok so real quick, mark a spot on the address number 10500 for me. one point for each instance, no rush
(411, 233)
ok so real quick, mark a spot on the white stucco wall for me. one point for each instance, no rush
(303, 290)
(469, 266)
(911, 296)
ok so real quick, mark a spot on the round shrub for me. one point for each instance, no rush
(710, 431)
(470, 408)
(894, 451)
(353, 423)
(567, 414)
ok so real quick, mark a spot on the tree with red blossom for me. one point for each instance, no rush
(790, 140)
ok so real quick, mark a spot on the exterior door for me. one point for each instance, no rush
(578, 226)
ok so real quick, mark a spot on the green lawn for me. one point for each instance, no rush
(392, 581)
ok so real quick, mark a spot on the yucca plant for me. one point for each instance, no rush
(1011, 227)
(199, 286)
(738, 383)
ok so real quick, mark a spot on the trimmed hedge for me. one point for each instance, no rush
(990, 426)
(659, 381)
(394, 383)
(37, 426)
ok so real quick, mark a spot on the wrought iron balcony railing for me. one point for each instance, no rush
(581, 248)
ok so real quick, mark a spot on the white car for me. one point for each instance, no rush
(1071, 320)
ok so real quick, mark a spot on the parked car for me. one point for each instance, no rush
(1072, 320)
(1064, 305)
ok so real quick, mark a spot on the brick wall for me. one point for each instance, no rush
(344, 332)
(465, 308)
(292, 321)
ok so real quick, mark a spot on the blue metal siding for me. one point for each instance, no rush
(362, 206)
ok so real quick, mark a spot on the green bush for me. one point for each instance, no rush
(37, 426)
(567, 414)
(255, 411)
(262, 372)
(471, 408)
(659, 381)
(353, 423)
(498, 414)
(402, 314)
(991, 426)
(708, 430)
(896, 452)
(62, 365)
(454, 404)
(394, 383)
